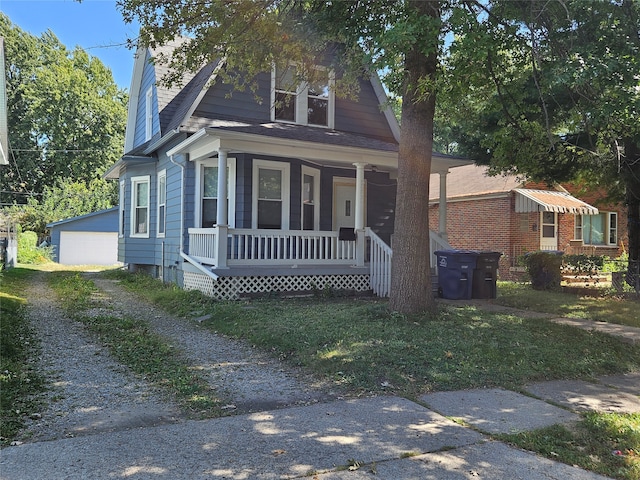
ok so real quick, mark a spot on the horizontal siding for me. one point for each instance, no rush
(221, 101)
(362, 115)
(148, 80)
(139, 250)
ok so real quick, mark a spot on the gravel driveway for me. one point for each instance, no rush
(91, 392)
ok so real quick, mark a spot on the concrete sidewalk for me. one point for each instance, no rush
(380, 437)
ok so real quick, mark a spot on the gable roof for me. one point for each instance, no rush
(472, 180)
(177, 103)
(105, 213)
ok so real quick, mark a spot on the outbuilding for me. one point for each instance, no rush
(90, 239)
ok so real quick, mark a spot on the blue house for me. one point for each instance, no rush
(232, 196)
(90, 239)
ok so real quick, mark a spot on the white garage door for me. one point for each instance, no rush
(88, 248)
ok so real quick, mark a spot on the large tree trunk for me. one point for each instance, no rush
(411, 269)
(631, 176)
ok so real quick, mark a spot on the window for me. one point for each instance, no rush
(121, 210)
(270, 195)
(140, 206)
(148, 112)
(601, 229)
(613, 228)
(162, 202)
(310, 198)
(305, 103)
(208, 182)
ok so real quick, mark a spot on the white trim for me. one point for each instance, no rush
(134, 96)
(161, 175)
(231, 189)
(606, 229)
(148, 114)
(285, 168)
(121, 209)
(302, 97)
(135, 181)
(386, 106)
(549, 243)
(315, 173)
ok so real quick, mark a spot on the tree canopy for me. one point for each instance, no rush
(558, 101)
(534, 74)
(66, 116)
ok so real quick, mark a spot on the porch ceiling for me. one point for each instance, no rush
(207, 141)
(551, 201)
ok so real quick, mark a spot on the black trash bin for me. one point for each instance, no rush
(455, 273)
(485, 275)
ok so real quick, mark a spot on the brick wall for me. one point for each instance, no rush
(492, 224)
(480, 224)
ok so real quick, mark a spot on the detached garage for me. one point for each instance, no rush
(90, 239)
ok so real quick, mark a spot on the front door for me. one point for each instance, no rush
(549, 231)
(344, 203)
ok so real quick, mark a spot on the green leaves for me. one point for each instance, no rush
(67, 116)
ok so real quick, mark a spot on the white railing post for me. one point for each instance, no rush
(222, 240)
(379, 265)
(360, 247)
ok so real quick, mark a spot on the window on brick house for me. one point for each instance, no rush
(601, 229)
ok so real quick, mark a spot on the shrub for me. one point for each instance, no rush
(583, 264)
(29, 252)
(544, 269)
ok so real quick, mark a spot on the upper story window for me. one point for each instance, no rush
(601, 229)
(304, 103)
(148, 115)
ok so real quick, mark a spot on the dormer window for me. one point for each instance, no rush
(305, 103)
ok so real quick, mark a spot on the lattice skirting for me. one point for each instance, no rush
(231, 288)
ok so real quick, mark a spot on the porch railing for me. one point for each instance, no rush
(298, 247)
(380, 255)
(270, 247)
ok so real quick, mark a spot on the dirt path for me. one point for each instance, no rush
(247, 379)
(93, 393)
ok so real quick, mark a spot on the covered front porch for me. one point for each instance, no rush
(227, 261)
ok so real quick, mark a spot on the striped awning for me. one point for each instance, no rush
(551, 201)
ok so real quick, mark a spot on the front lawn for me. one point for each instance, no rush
(611, 308)
(360, 345)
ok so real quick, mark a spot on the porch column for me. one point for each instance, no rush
(442, 206)
(221, 214)
(359, 220)
(222, 220)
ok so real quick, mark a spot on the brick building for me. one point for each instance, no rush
(506, 215)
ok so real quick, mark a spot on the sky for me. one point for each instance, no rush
(95, 25)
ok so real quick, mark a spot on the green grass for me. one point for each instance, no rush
(609, 308)
(606, 443)
(362, 346)
(132, 343)
(20, 383)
